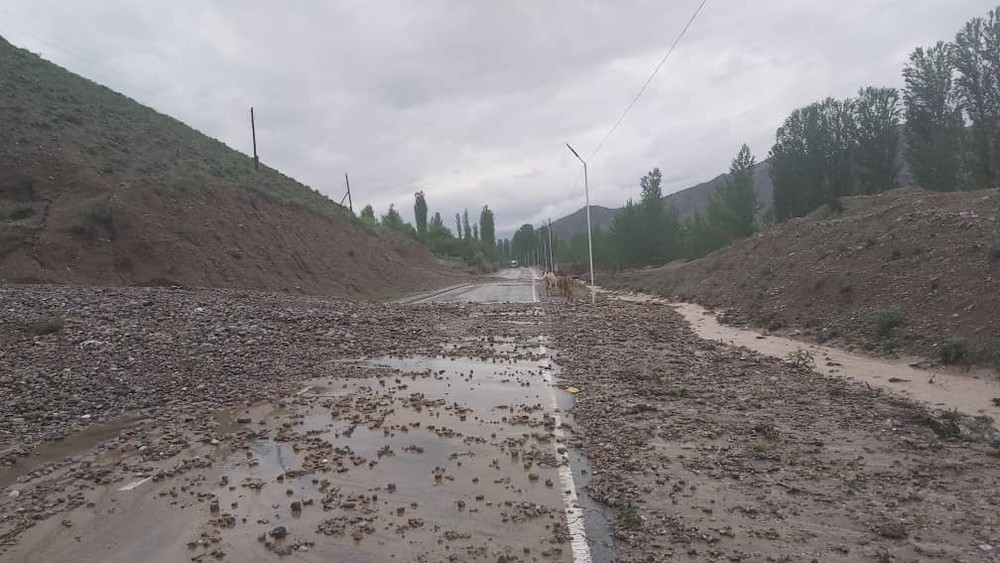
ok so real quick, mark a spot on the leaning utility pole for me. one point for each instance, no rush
(348, 195)
(253, 133)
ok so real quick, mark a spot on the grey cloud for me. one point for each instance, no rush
(472, 101)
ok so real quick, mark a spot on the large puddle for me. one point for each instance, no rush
(430, 458)
(946, 389)
(461, 456)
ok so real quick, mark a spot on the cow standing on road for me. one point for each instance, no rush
(551, 282)
(565, 285)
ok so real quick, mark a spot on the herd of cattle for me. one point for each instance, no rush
(557, 284)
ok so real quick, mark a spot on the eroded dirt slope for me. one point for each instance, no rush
(933, 256)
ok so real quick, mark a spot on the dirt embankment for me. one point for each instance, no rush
(98, 189)
(207, 236)
(904, 271)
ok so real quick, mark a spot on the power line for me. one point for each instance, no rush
(648, 80)
(642, 90)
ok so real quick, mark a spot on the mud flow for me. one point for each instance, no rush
(970, 392)
(74, 446)
(418, 458)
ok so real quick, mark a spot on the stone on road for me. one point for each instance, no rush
(245, 426)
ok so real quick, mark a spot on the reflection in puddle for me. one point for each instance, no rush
(434, 456)
(71, 446)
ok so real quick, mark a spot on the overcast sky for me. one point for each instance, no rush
(472, 101)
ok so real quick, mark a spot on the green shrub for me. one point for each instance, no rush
(769, 321)
(887, 321)
(765, 449)
(21, 212)
(954, 351)
(47, 326)
(94, 218)
(982, 423)
(630, 519)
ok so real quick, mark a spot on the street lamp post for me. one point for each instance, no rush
(590, 239)
(552, 262)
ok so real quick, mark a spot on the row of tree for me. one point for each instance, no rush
(952, 101)
(835, 148)
(948, 111)
(949, 116)
(649, 232)
(475, 244)
(951, 106)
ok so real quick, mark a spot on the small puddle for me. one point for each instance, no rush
(73, 445)
(940, 388)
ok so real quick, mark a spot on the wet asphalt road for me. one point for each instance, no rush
(517, 285)
(441, 454)
(506, 286)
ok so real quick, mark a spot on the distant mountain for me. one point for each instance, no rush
(688, 201)
(576, 222)
(695, 198)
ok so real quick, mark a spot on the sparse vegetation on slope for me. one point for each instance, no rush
(98, 189)
(44, 107)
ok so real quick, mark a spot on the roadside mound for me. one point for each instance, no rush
(98, 189)
(903, 271)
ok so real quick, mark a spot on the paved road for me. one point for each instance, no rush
(506, 286)
(588, 528)
(459, 452)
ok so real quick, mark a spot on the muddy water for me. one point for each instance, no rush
(436, 456)
(421, 458)
(69, 447)
(971, 393)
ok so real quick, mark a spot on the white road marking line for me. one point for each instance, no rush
(134, 484)
(437, 296)
(574, 514)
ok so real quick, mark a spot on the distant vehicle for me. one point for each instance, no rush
(513, 263)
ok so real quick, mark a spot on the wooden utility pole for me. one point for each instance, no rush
(350, 203)
(347, 196)
(253, 133)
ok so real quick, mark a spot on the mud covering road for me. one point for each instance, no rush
(207, 425)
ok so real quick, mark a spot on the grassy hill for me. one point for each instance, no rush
(118, 138)
(96, 188)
